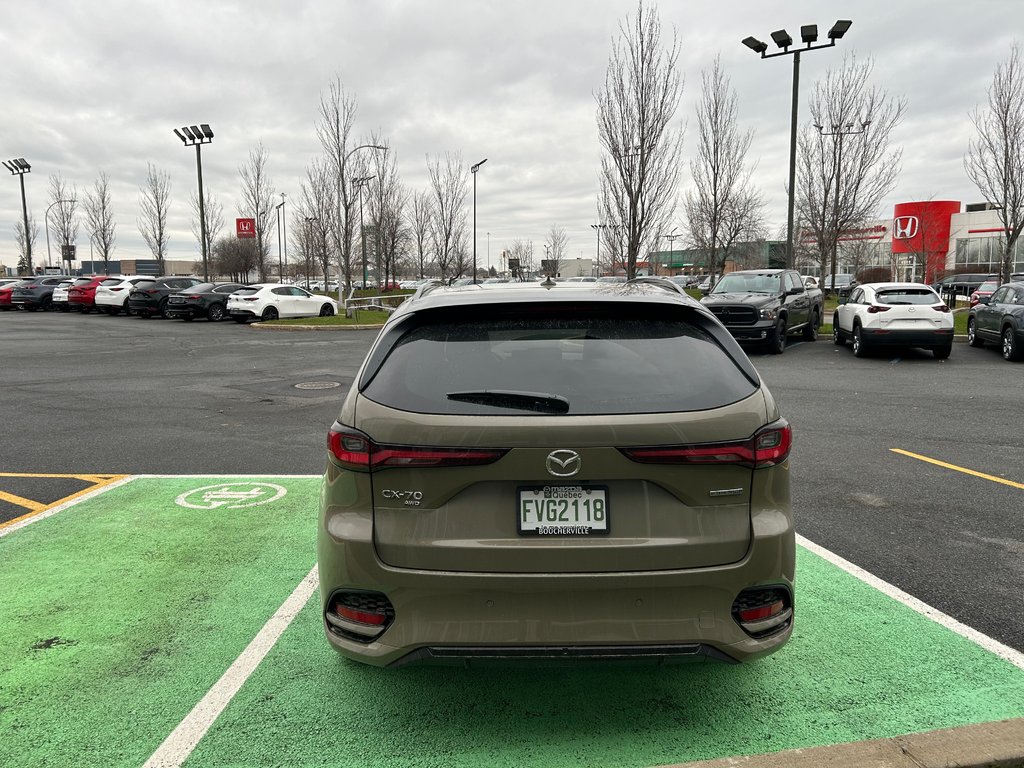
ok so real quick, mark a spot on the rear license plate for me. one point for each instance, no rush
(562, 510)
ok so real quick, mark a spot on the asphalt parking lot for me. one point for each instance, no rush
(89, 400)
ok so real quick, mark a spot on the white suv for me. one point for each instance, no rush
(269, 301)
(112, 293)
(894, 315)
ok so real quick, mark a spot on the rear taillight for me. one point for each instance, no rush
(354, 450)
(874, 309)
(762, 611)
(941, 308)
(768, 446)
(115, 289)
(194, 297)
(151, 290)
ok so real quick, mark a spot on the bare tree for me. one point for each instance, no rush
(63, 220)
(635, 110)
(22, 241)
(420, 214)
(214, 211)
(722, 208)
(319, 209)
(841, 183)
(995, 160)
(558, 243)
(99, 218)
(387, 200)
(257, 191)
(523, 251)
(448, 188)
(334, 130)
(234, 258)
(154, 203)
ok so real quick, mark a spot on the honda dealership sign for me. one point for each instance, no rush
(245, 228)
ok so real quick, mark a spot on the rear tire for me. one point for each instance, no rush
(972, 334)
(860, 349)
(811, 329)
(941, 353)
(837, 335)
(1011, 349)
(162, 309)
(215, 313)
(269, 314)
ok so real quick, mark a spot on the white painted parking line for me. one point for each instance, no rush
(989, 644)
(179, 745)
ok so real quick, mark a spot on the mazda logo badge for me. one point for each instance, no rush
(563, 463)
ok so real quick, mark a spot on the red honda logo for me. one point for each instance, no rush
(245, 227)
(905, 227)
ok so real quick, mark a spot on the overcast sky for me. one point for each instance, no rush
(90, 86)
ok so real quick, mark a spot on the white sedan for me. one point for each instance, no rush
(894, 315)
(270, 301)
(112, 293)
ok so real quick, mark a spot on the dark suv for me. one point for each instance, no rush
(149, 297)
(999, 319)
(37, 293)
(556, 471)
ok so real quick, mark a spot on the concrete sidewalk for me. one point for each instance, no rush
(987, 745)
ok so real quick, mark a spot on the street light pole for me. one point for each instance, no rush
(473, 169)
(838, 133)
(46, 223)
(284, 226)
(280, 267)
(360, 183)
(782, 39)
(19, 167)
(197, 135)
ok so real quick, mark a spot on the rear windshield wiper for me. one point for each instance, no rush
(521, 401)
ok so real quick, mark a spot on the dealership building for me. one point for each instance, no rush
(922, 241)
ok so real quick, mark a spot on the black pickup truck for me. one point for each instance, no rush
(765, 306)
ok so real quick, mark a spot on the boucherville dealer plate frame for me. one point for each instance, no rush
(571, 510)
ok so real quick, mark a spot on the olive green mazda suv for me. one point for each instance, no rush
(556, 472)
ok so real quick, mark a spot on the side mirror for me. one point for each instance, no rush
(705, 291)
(843, 300)
(796, 291)
(984, 299)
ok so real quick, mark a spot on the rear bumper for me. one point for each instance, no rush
(184, 310)
(446, 617)
(248, 314)
(907, 338)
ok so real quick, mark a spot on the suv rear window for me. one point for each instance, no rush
(629, 360)
(907, 296)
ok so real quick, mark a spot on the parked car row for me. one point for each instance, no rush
(166, 296)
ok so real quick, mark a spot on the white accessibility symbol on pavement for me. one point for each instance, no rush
(231, 495)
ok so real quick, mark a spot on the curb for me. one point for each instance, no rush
(264, 327)
(986, 745)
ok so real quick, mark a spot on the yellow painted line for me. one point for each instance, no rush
(108, 480)
(955, 468)
(78, 476)
(35, 506)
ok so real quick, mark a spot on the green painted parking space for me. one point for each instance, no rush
(122, 611)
